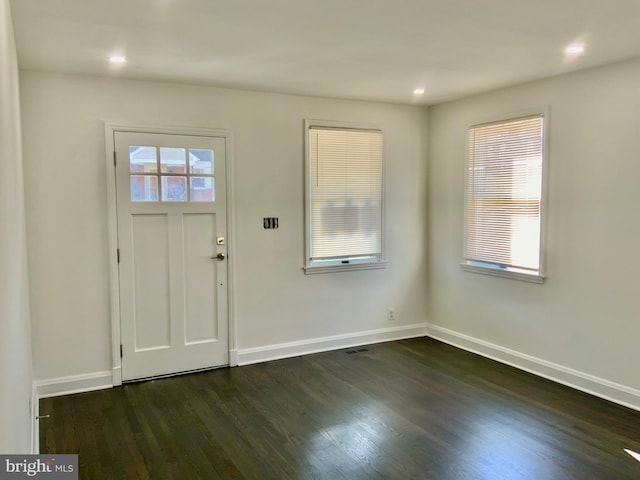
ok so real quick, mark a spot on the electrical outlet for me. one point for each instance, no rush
(391, 315)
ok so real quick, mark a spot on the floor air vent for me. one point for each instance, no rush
(359, 350)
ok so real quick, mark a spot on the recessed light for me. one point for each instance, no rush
(418, 91)
(574, 49)
(117, 59)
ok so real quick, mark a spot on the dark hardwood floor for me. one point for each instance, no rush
(409, 409)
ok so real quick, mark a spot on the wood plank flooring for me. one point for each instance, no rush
(400, 410)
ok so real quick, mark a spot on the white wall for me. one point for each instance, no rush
(275, 301)
(15, 341)
(585, 317)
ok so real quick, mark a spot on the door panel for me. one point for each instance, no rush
(199, 242)
(150, 257)
(171, 204)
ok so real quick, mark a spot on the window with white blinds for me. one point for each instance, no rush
(344, 196)
(504, 196)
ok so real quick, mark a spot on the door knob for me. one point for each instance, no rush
(220, 256)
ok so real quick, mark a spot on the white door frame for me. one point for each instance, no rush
(109, 131)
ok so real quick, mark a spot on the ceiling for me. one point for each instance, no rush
(360, 49)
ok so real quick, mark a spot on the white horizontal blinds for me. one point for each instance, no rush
(346, 192)
(504, 191)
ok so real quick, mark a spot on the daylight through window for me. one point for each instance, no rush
(344, 196)
(504, 195)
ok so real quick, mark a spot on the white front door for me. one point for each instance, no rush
(172, 242)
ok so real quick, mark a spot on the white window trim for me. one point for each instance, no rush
(354, 264)
(496, 270)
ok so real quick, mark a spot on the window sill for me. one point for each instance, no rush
(500, 272)
(311, 270)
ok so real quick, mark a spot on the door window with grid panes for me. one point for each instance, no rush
(171, 174)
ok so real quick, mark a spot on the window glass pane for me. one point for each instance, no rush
(201, 161)
(345, 193)
(174, 189)
(173, 160)
(203, 189)
(143, 159)
(504, 195)
(144, 188)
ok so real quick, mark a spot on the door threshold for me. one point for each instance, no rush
(175, 374)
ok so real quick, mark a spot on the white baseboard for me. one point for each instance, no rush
(315, 345)
(614, 392)
(73, 384)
